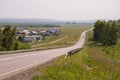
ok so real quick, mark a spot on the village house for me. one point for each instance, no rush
(23, 33)
(32, 38)
(45, 33)
(27, 36)
(29, 39)
(26, 32)
(54, 31)
(33, 33)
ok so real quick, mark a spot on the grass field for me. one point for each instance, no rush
(94, 62)
(72, 34)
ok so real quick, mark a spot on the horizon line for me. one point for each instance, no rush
(65, 20)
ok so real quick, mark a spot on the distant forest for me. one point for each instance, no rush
(30, 25)
(40, 22)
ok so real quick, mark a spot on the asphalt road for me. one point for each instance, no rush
(11, 64)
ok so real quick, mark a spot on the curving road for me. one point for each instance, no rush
(11, 64)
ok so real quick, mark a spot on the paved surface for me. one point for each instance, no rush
(13, 63)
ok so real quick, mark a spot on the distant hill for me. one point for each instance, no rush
(82, 21)
(29, 21)
(42, 21)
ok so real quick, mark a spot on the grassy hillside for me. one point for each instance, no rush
(94, 62)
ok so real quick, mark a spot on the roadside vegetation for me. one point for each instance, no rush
(8, 40)
(106, 33)
(93, 62)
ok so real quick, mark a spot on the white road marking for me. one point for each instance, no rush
(7, 58)
(18, 69)
(4, 59)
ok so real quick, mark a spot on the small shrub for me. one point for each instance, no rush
(19, 45)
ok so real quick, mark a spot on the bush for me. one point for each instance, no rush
(19, 45)
(2, 49)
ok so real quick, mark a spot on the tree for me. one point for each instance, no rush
(98, 30)
(9, 35)
(106, 32)
(119, 28)
(114, 33)
(0, 37)
(8, 39)
(14, 31)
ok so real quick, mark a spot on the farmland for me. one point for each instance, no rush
(69, 35)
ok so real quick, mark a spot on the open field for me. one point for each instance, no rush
(69, 36)
(94, 62)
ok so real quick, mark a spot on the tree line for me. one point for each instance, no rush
(8, 39)
(30, 25)
(106, 33)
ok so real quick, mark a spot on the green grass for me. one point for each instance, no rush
(93, 62)
(72, 33)
(47, 39)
